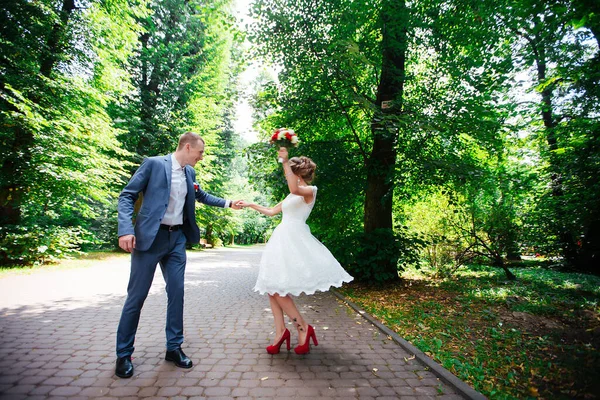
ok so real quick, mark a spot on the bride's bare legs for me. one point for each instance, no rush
(278, 317)
(289, 307)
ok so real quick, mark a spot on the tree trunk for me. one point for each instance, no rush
(154, 72)
(565, 237)
(149, 92)
(56, 40)
(13, 185)
(498, 261)
(589, 255)
(382, 160)
(208, 234)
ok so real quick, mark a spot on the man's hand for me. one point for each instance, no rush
(127, 242)
(236, 204)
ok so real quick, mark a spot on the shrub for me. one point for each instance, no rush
(25, 245)
(367, 257)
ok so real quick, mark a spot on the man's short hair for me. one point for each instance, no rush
(191, 138)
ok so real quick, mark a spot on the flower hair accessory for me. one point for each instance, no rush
(284, 137)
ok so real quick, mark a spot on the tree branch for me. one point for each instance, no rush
(336, 97)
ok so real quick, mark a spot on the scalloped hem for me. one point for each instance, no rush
(307, 292)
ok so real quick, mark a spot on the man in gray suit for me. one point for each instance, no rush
(164, 223)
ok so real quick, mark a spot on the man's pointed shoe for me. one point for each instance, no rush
(179, 358)
(124, 367)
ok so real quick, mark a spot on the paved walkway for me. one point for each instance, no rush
(57, 336)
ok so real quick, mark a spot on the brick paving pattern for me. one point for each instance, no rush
(57, 339)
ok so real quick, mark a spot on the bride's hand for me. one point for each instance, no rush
(283, 154)
(243, 204)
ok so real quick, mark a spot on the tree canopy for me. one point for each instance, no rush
(445, 132)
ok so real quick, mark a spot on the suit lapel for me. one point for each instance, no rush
(190, 186)
(168, 171)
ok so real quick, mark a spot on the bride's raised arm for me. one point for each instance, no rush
(292, 179)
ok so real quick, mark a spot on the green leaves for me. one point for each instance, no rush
(61, 159)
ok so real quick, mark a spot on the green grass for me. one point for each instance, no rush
(534, 337)
(82, 261)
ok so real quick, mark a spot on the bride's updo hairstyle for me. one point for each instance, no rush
(303, 167)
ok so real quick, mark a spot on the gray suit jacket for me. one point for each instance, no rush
(153, 178)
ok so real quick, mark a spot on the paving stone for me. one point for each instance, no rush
(217, 391)
(262, 392)
(84, 382)
(404, 390)
(89, 374)
(287, 392)
(147, 392)
(229, 383)
(9, 378)
(69, 372)
(42, 390)
(240, 392)
(124, 391)
(208, 382)
(31, 380)
(426, 390)
(65, 391)
(249, 383)
(367, 391)
(15, 396)
(94, 392)
(216, 374)
(169, 391)
(58, 342)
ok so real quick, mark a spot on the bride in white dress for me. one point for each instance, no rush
(294, 261)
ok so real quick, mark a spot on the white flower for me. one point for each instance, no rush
(294, 139)
(281, 135)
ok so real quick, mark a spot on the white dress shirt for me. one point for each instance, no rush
(174, 213)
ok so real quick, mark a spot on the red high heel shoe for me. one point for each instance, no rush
(274, 348)
(305, 348)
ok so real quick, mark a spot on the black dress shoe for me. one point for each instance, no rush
(124, 367)
(179, 358)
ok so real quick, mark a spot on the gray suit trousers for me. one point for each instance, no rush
(168, 250)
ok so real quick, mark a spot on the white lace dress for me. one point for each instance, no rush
(294, 261)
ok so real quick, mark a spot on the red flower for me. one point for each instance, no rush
(284, 137)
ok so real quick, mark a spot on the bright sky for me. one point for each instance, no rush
(243, 123)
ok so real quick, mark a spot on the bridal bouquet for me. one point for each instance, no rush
(284, 137)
